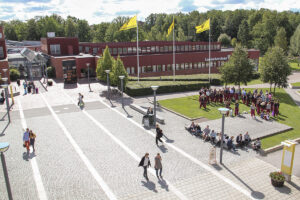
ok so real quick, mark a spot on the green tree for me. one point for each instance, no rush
(280, 40)
(238, 69)
(84, 31)
(295, 42)
(233, 42)
(71, 28)
(118, 69)
(243, 34)
(104, 63)
(99, 33)
(274, 68)
(224, 39)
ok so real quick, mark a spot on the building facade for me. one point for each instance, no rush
(3, 56)
(156, 58)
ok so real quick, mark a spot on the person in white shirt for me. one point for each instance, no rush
(145, 163)
(213, 136)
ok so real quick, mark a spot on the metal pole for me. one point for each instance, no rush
(222, 136)
(7, 103)
(47, 75)
(122, 93)
(174, 50)
(154, 107)
(137, 48)
(89, 77)
(107, 86)
(6, 176)
(209, 54)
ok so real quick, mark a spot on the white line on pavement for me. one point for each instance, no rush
(129, 151)
(193, 159)
(86, 161)
(36, 172)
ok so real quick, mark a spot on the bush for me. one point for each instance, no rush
(51, 72)
(145, 89)
(50, 83)
(213, 81)
(224, 39)
(14, 74)
(278, 176)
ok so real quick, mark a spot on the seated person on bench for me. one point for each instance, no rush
(247, 138)
(230, 144)
(149, 111)
(198, 130)
(257, 144)
(239, 140)
(212, 136)
(192, 128)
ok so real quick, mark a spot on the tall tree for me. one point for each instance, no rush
(274, 68)
(104, 63)
(224, 39)
(295, 42)
(71, 28)
(32, 30)
(243, 34)
(118, 69)
(84, 31)
(99, 33)
(280, 40)
(238, 69)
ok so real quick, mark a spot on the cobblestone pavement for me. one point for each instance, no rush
(113, 141)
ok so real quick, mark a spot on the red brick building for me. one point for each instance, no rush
(3, 56)
(156, 58)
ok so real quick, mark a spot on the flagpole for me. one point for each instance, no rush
(209, 54)
(137, 48)
(174, 50)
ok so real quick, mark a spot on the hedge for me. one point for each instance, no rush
(214, 81)
(14, 74)
(142, 89)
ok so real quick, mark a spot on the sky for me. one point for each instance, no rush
(97, 11)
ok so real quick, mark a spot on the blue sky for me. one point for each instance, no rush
(96, 11)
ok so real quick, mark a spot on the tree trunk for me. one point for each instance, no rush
(274, 88)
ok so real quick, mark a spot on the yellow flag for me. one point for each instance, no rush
(130, 24)
(203, 27)
(171, 28)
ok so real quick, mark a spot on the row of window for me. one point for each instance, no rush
(1, 53)
(151, 49)
(169, 67)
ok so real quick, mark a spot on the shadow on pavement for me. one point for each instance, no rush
(2, 133)
(150, 185)
(254, 194)
(163, 148)
(217, 167)
(284, 189)
(163, 184)
(294, 185)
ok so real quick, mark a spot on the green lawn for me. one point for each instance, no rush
(294, 66)
(296, 84)
(289, 114)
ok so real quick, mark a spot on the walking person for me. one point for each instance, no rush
(26, 140)
(32, 137)
(145, 163)
(159, 134)
(25, 87)
(158, 165)
(80, 100)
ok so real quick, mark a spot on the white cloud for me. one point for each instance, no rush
(96, 11)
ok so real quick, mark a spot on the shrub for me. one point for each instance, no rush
(277, 176)
(51, 72)
(145, 89)
(14, 74)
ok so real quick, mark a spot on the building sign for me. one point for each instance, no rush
(50, 34)
(216, 59)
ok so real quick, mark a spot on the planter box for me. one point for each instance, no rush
(277, 183)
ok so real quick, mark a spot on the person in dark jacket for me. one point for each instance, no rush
(145, 163)
(159, 134)
(239, 140)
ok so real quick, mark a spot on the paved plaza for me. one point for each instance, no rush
(94, 154)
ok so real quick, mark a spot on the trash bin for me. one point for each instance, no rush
(146, 121)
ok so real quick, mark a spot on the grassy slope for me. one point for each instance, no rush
(289, 114)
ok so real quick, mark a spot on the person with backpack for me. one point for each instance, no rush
(145, 163)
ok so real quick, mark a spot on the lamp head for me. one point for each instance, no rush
(154, 87)
(121, 77)
(87, 64)
(223, 111)
(4, 79)
(4, 146)
(5, 70)
(107, 71)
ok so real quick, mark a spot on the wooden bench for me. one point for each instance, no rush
(143, 111)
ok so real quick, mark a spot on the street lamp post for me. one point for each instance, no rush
(88, 65)
(223, 111)
(5, 86)
(108, 87)
(122, 78)
(154, 88)
(4, 147)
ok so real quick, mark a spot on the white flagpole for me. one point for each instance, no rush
(174, 50)
(137, 48)
(209, 54)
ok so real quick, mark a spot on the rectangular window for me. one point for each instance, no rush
(129, 50)
(166, 48)
(119, 51)
(169, 67)
(140, 50)
(182, 48)
(124, 50)
(182, 66)
(1, 52)
(154, 68)
(143, 69)
(144, 50)
(149, 69)
(170, 48)
(95, 50)
(190, 47)
(195, 65)
(199, 65)
(148, 49)
(164, 68)
(153, 49)
(128, 70)
(201, 47)
(110, 50)
(80, 48)
(133, 49)
(159, 68)
(207, 64)
(55, 49)
(186, 48)
(177, 48)
(177, 66)
(115, 51)
(191, 65)
(203, 64)
(157, 49)
(161, 49)
(193, 48)
(197, 47)
(132, 70)
(186, 65)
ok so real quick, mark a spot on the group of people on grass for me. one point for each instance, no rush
(210, 135)
(263, 103)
